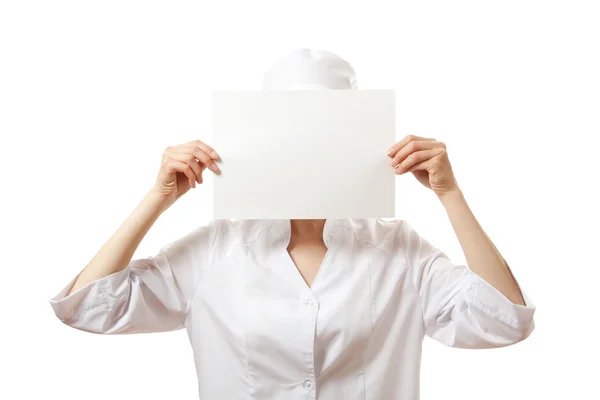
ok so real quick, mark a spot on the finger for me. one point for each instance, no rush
(174, 166)
(171, 149)
(205, 160)
(396, 147)
(423, 165)
(415, 158)
(205, 148)
(411, 147)
(427, 164)
(190, 160)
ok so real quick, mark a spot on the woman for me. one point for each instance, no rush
(280, 309)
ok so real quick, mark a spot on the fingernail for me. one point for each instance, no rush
(389, 152)
(214, 154)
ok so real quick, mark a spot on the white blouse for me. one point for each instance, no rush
(258, 331)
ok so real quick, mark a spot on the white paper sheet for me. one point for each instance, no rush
(304, 154)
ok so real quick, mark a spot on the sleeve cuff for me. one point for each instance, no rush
(98, 293)
(491, 301)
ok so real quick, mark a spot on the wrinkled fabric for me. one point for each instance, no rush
(258, 331)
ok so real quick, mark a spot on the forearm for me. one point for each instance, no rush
(482, 256)
(119, 249)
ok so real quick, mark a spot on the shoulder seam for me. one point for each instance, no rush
(410, 271)
(180, 323)
(212, 247)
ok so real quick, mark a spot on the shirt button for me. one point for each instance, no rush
(309, 302)
(307, 384)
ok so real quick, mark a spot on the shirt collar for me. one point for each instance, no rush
(329, 230)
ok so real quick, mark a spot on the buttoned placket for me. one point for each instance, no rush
(311, 308)
(308, 304)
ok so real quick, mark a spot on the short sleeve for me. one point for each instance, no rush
(151, 294)
(461, 309)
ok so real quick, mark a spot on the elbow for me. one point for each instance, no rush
(91, 320)
(524, 331)
(478, 327)
(502, 332)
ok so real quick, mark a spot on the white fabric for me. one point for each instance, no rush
(259, 332)
(310, 69)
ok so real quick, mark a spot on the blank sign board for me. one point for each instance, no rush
(304, 154)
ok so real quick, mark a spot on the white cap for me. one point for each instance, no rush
(310, 69)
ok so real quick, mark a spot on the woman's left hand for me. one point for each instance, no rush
(427, 159)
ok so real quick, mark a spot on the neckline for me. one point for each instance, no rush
(284, 227)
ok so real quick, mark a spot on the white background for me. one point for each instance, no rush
(92, 92)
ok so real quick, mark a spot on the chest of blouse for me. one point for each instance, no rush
(253, 310)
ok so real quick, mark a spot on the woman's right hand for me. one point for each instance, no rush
(182, 167)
